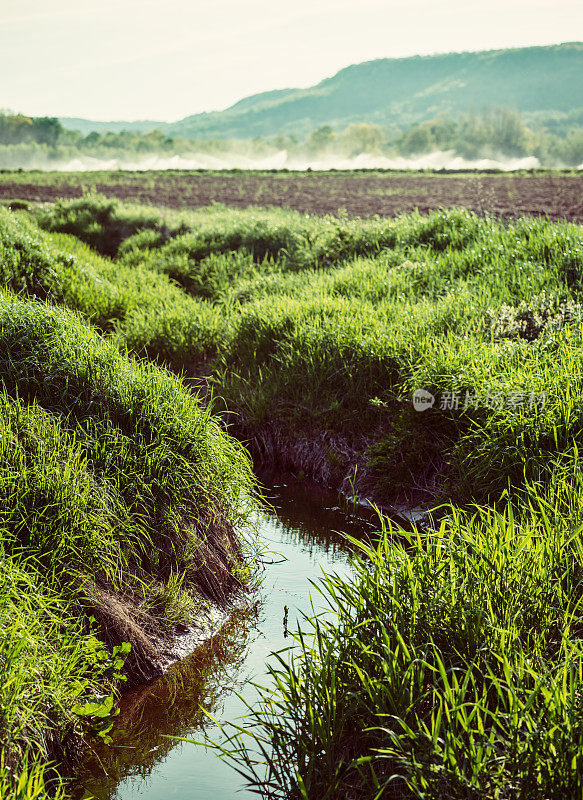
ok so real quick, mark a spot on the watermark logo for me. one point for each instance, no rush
(423, 400)
(454, 401)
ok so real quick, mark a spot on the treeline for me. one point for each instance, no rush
(557, 141)
(489, 134)
(48, 134)
(499, 131)
(18, 129)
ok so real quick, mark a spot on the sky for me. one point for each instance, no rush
(167, 59)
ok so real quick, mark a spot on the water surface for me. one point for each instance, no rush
(302, 534)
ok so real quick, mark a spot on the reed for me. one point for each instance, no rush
(450, 666)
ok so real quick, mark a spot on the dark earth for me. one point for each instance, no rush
(558, 195)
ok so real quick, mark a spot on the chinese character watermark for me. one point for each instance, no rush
(457, 401)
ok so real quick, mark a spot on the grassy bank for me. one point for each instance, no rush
(317, 331)
(450, 668)
(119, 499)
(457, 653)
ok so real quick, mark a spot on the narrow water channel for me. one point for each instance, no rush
(302, 533)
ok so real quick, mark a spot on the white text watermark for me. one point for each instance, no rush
(460, 401)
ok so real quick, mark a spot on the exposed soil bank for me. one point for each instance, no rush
(337, 464)
(145, 759)
(212, 586)
(154, 651)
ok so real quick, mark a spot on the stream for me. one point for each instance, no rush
(302, 534)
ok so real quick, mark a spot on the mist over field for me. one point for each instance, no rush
(456, 111)
(439, 159)
(291, 305)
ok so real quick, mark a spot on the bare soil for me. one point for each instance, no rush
(507, 195)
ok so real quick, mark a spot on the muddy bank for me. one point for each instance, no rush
(154, 654)
(213, 583)
(146, 759)
(155, 651)
(337, 463)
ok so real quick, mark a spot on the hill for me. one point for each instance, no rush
(534, 80)
(86, 126)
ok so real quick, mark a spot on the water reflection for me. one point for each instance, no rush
(304, 536)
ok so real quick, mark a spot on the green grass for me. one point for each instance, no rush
(105, 224)
(50, 659)
(120, 494)
(451, 666)
(457, 651)
(320, 327)
(143, 309)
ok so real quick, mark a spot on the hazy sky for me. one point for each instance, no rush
(166, 59)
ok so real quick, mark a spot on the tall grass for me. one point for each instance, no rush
(119, 497)
(105, 224)
(323, 328)
(451, 666)
(452, 669)
(48, 660)
(142, 309)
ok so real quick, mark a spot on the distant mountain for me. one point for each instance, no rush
(86, 126)
(397, 92)
(256, 101)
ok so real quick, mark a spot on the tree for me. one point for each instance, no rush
(15, 128)
(47, 130)
(419, 139)
(363, 138)
(321, 140)
(508, 135)
(571, 149)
